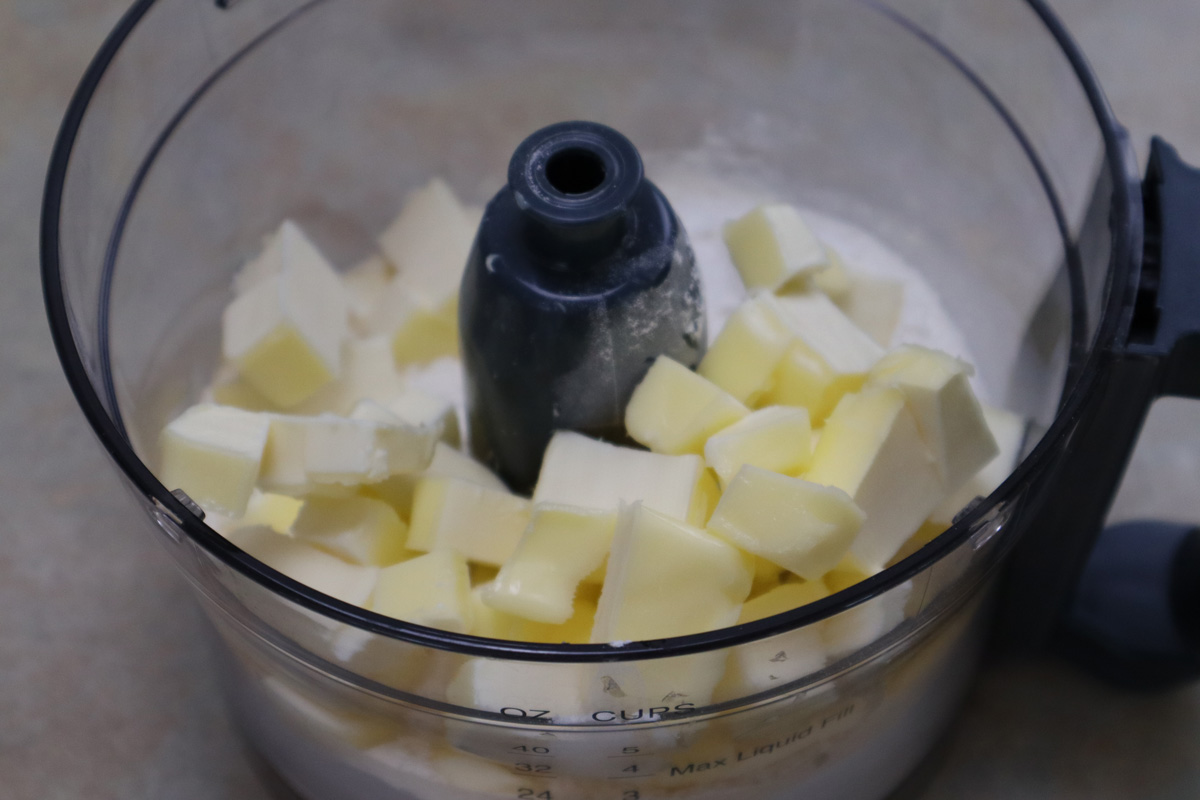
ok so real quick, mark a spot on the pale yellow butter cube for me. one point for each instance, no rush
(447, 462)
(834, 280)
(765, 664)
(666, 578)
(557, 552)
(865, 623)
(778, 438)
(674, 410)
(214, 453)
(871, 449)
(743, 357)
(228, 389)
(277, 511)
(285, 332)
(409, 446)
(366, 283)
(360, 530)
(308, 565)
(429, 242)
(1008, 429)
(368, 373)
(948, 414)
(419, 408)
(432, 590)
(803, 527)
(424, 334)
(482, 524)
(496, 624)
(785, 597)
(772, 245)
(584, 472)
(874, 305)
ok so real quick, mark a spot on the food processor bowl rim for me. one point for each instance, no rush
(1126, 254)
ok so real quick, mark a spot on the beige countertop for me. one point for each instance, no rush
(105, 680)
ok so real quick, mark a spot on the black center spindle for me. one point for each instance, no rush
(581, 275)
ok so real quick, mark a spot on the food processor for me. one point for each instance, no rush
(993, 165)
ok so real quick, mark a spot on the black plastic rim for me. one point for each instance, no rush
(1126, 220)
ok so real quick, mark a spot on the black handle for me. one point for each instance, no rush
(1061, 581)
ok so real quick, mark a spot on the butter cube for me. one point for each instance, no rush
(277, 511)
(768, 663)
(578, 471)
(743, 357)
(674, 410)
(829, 355)
(865, 623)
(666, 578)
(872, 449)
(559, 549)
(418, 408)
(368, 373)
(409, 447)
(360, 530)
(803, 527)
(496, 624)
(948, 414)
(397, 490)
(847, 573)
(777, 438)
(834, 280)
(306, 564)
(214, 453)
(285, 332)
(784, 597)
(422, 334)
(366, 283)
(484, 525)
(429, 242)
(874, 305)
(1009, 432)
(432, 590)
(229, 389)
(772, 245)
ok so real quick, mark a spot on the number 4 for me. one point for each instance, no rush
(534, 795)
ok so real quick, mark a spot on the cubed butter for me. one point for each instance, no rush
(428, 243)
(368, 373)
(360, 530)
(409, 446)
(666, 578)
(277, 511)
(308, 565)
(447, 462)
(285, 332)
(432, 590)
(584, 472)
(559, 549)
(1009, 432)
(801, 526)
(214, 453)
(482, 524)
(773, 245)
(419, 408)
(871, 449)
(424, 334)
(828, 358)
(777, 438)
(674, 410)
(834, 280)
(948, 414)
(743, 357)
(874, 305)
(496, 624)
(784, 597)
(366, 283)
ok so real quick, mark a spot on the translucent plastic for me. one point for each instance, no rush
(974, 157)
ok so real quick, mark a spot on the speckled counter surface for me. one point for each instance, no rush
(105, 681)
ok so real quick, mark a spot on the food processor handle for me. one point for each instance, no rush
(1124, 603)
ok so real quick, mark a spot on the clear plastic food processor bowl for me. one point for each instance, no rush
(975, 158)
